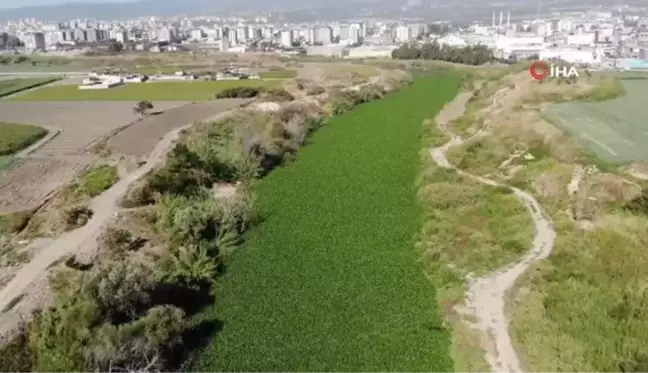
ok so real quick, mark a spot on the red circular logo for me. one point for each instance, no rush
(539, 70)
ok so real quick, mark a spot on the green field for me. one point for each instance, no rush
(330, 281)
(11, 86)
(152, 91)
(278, 74)
(616, 130)
(15, 137)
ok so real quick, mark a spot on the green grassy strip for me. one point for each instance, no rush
(152, 91)
(330, 280)
(13, 86)
(278, 74)
(15, 137)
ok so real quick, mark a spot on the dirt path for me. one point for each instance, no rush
(104, 207)
(486, 296)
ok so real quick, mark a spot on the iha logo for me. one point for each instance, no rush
(540, 70)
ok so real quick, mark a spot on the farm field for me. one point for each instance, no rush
(616, 130)
(278, 74)
(80, 122)
(152, 91)
(330, 280)
(29, 180)
(18, 136)
(11, 86)
(140, 139)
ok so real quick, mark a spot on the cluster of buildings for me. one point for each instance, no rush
(592, 38)
(109, 79)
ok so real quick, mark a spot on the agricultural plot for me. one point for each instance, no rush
(12, 86)
(616, 130)
(140, 139)
(152, 91)
(330, 280)
(18, 136)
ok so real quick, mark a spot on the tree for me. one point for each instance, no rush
(115, 47)
(142, 108)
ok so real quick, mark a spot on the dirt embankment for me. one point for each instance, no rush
(486, 296)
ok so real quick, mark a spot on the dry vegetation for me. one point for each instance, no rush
(584, 308)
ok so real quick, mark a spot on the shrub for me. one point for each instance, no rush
(75, 217)
(277, 95)
(16, 356)
(239, 92)
(116, 242)
(315, 89)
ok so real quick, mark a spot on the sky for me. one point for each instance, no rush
(7, 4)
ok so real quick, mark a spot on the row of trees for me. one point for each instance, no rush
(468, 55)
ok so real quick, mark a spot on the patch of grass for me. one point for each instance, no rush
(152, 91)
(278, 74)
(14, 222)
(584, 308)
(97, 179)
(6, 162)
(329, 281)
(15, 137)
(12, 86)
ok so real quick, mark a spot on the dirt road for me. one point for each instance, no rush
(104, 207)
(486, 296)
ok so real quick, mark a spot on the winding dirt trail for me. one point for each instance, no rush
(486, 296)
(104, 208)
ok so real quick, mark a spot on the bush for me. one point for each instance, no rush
(239, 92)
(16, 356)
(116, 242)
(75, 217)
(314, 89)
(277, 95)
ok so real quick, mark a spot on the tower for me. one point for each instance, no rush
(501, 16)
(493, 24)
(508, 19)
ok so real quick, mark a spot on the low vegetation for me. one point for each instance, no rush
(97, 179)
(330, 252)
(153, 91)
(16, 137)
(278, 74)
(12, 86)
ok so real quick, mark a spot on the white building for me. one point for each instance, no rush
(372, 51)
(35, 40)
(196, 34)
(403, 34)
(165, 34)
(286, 38)
(572, 55)
(323, 35)
(585, 39)
(452, 41)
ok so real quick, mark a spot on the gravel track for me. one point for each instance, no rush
(486, 296)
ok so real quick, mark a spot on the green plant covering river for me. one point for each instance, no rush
(330, 280)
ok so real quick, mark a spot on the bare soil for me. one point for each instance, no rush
(80, 122)
(139, 140)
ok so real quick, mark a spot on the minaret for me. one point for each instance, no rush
(508, 19)
(501, 16)
(493, 19)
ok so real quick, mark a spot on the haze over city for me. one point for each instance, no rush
(336, 186)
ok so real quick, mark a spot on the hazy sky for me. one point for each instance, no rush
(6, 4)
